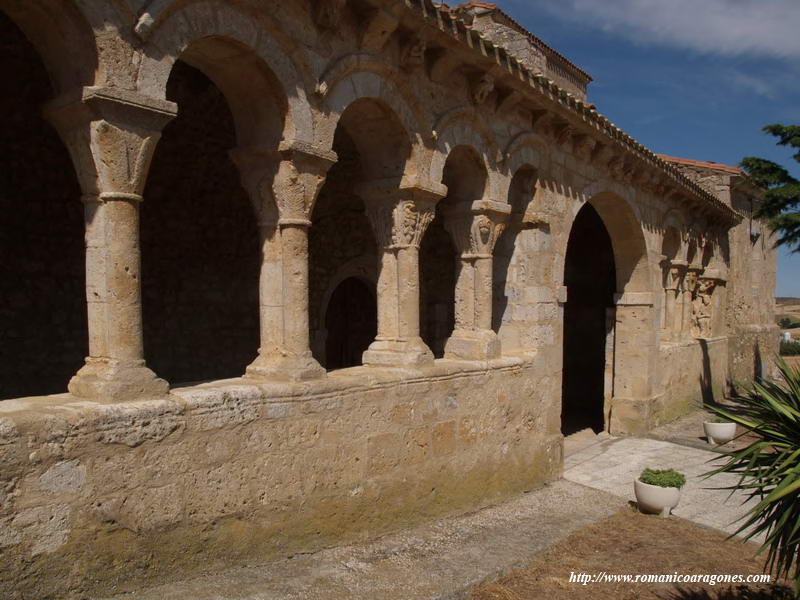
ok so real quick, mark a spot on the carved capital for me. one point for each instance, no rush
(476, 227)
(299, 176)
(379, 27)
(328, 13)
(481, 88)
(675, 274)
(563, 133)
(399, 215)
(111, 135)
(284, 182)
(412, 53)
(616, 168)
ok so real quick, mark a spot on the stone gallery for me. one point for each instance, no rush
(278, 276)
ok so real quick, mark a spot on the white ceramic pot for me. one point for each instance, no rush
(655, 499)
(719, 433)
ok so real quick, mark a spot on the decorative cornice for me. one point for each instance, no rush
(440, 17)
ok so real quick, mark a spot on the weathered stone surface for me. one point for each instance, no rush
(238, 167)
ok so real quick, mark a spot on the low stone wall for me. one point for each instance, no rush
(95, 496)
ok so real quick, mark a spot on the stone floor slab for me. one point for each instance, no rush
(614, 464)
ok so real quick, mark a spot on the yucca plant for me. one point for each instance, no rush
(769, 468)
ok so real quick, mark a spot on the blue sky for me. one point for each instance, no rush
(690, 78)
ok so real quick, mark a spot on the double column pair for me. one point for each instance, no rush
(111, 135)
(399, 216)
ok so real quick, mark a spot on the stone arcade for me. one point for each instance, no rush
(348, 265)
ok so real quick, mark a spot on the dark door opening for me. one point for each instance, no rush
(352, 323)
(590, 277)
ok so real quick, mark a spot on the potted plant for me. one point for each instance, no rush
(658, 490)
(719, 431)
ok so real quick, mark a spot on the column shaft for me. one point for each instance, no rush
(483, 293)
(465, 294)
(294, 243)
(104, 128)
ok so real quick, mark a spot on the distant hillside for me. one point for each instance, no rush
(782, 301)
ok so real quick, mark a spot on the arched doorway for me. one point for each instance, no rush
(43, 317)
(351, 323)
(590, 278)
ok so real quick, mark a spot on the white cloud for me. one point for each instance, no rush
(724, 27)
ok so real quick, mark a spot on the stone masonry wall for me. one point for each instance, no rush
(94, 495)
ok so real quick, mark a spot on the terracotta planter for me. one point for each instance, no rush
(655, 499)
(719, 433)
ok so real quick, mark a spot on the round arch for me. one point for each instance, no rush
(629, 243)
(61, 36)
(239, 56)
(460, 128)
(366, 87)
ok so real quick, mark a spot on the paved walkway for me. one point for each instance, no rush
(442, 560)
(612, 464)
(437, 561)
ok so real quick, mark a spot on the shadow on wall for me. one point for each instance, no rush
(706, 377)
(521, 197)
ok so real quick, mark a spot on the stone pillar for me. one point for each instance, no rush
(111, 135)
(283, 186)
(475, 228)
(399, 216)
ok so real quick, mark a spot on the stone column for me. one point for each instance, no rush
(111, 135)
(399, 218)
(475, 228)
(283, 186)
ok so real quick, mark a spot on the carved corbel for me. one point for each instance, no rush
(328, 13)
(378, 28)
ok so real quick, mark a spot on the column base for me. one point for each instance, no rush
(286, 367)
(398, 353)
(109, 379)
(482, 344)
